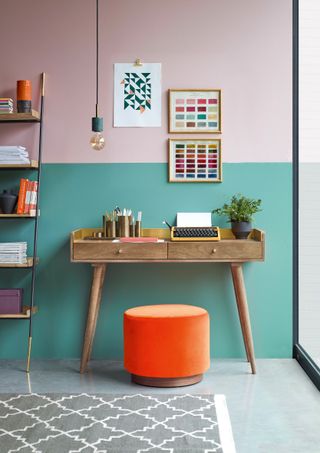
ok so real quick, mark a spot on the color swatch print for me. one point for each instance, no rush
(200, 113)
(195, 161)
(137, 91)
(195, 111)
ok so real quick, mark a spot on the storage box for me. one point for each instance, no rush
(11, 301)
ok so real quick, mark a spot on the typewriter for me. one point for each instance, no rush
(193, 226)
(195, 233)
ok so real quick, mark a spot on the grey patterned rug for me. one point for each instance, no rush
(61, 423)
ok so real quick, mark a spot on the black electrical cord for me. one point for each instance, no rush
(97, 56)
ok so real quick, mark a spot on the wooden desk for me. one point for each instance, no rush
(100, 252)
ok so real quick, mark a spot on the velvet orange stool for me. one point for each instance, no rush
(166, 345)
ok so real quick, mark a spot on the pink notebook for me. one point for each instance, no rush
(139, 239)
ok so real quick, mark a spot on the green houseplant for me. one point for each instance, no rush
(240, 213)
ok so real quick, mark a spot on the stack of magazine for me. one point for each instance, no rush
(13, 252)
(14, 155)
(6, 105)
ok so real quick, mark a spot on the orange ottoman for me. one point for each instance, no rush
(166, 345)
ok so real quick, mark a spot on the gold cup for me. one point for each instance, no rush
(131, 228)
(111, 228)
(104, 225)
(124, 230)
(117, 228)
(137, 229)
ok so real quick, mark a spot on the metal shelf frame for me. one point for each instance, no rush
(35, 118)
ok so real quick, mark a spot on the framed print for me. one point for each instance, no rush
(192, 160)
(195, 111)
(137, 95)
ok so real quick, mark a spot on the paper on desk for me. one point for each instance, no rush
(194, 219)
(118, 240)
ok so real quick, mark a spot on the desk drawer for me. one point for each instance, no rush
(96, 250)
(227, 250)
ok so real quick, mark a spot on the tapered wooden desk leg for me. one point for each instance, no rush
(94, 305)
(97, 313)
(242, 304)
(243, 331)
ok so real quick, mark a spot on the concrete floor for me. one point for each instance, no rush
(277, 410)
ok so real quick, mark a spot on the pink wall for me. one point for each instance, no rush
(242, 47)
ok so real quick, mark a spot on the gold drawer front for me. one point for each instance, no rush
(96, 251)
(228, 250)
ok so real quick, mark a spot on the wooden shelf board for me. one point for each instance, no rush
(16, 216)
(24, 315)
(33, 164)
(34, 116)
(29, 263)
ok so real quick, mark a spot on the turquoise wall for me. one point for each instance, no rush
(75, 195)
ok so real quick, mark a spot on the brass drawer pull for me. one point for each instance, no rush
(119, 251)
(214, 251)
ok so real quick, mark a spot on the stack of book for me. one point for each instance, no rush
(27, 199)
(13, 252)
(6, 105)
(11, 155)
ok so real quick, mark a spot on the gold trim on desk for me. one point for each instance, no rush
(164, 233)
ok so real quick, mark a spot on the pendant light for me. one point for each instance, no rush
(97, 141)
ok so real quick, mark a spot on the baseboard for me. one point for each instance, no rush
(303, 358)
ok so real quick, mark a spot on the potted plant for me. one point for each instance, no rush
(240, 213)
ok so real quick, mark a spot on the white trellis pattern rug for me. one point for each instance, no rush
(139, 423)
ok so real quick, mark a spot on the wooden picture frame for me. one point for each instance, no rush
(195, 111)
(194, 160)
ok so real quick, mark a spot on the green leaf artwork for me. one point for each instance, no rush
(137, 91)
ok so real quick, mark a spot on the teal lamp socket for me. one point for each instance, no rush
(97, 124)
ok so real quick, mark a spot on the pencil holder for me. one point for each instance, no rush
(138, 229)
(109, 228)
(104, 225)
(123, 226)
(131, 230)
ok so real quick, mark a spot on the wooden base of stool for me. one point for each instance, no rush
(166, 382)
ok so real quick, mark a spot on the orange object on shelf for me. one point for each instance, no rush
(166, 341)
(28, 197)
(22, 196)
(24, 90)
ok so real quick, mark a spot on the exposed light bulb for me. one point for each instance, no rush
(97, 141)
